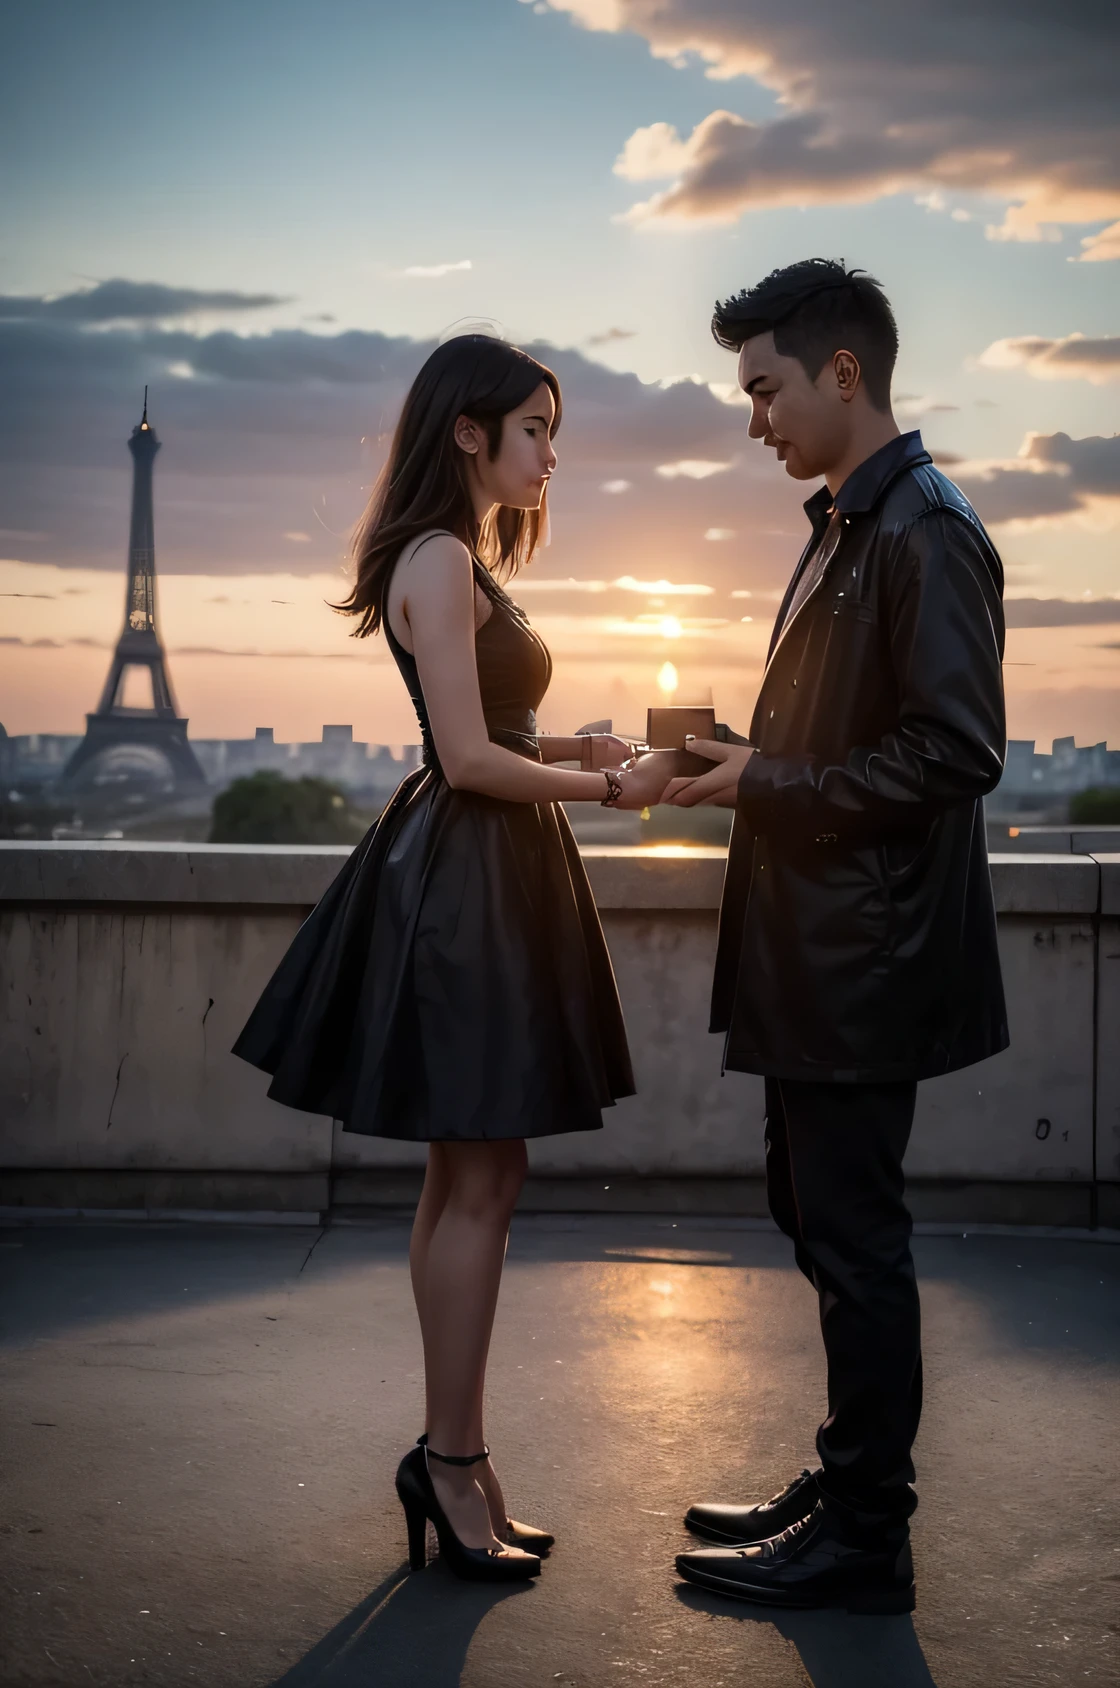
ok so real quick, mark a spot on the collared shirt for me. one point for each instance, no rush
(858, 493)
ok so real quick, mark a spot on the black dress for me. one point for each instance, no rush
(453, 983)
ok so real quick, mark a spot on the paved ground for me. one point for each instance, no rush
(203, 1424)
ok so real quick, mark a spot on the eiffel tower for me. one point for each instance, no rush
(128, 744)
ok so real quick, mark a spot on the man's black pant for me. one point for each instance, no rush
(834, 1183)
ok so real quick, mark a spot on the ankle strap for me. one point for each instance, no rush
(453, 1459)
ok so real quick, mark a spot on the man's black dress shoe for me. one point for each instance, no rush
(738, 1525)
(810, 1565)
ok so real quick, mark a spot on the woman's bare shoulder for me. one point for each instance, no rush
(437, 553)
(433, 578)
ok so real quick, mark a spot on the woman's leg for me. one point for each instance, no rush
(457, 1273)
(432, 1201)
(431, 1204)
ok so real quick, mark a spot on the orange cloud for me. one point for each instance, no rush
(1076, 357)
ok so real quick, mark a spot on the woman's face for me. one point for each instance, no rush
(518, 475)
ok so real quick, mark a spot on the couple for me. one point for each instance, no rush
(453, 986)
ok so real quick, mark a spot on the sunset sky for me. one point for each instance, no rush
(270, 213)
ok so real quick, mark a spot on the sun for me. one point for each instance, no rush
(667, 679)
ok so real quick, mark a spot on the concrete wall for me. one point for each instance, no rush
(1108, 1024)
(128, 969)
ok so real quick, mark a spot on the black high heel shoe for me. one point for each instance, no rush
(418, 1497)
(516, 1535)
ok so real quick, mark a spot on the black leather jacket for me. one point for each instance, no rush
(857, 933)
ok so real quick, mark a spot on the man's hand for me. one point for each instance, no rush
(720, 786)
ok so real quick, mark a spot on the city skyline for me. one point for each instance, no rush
(276, 273)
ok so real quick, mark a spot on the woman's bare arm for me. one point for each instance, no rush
(434, 593)
(590, 750)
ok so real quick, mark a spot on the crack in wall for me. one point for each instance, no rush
(116, 1088)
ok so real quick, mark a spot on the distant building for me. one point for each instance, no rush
(1034, 781)
(34, 763)
(364, 771)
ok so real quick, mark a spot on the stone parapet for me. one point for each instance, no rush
(129, 968)
(276, 875)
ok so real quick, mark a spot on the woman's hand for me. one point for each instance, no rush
(719, 787)
(643, 779)
(603, 750)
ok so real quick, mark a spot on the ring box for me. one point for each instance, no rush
(667, 726)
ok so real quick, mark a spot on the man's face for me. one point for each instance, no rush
(806, 423)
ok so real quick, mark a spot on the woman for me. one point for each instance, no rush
(453, 986)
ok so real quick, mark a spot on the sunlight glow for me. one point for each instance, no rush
(667, 679)
(662, 588)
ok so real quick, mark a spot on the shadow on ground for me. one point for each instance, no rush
(837, 1650)
(414, 1629)
(410, 1630)
(1043, 1293)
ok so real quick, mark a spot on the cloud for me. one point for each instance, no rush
(728, 392)
(662, 588)
(913, 405)
(1016, 101)
(1102, 248)
(429, 272)
(616, 487)
(54, 644)
(695, 468)
(1077, 357)
(1061, 612)
(1093, 464)
(284, 431)
(537, 583)
(271, 656)
(130, 301)
(610, 335)
(1053, 477)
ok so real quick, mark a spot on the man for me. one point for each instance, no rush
(857, 943)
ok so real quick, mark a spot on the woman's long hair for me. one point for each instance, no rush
(424, 483)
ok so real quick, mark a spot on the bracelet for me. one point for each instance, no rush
(614, 789)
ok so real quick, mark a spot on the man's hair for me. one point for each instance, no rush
(814, 309)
